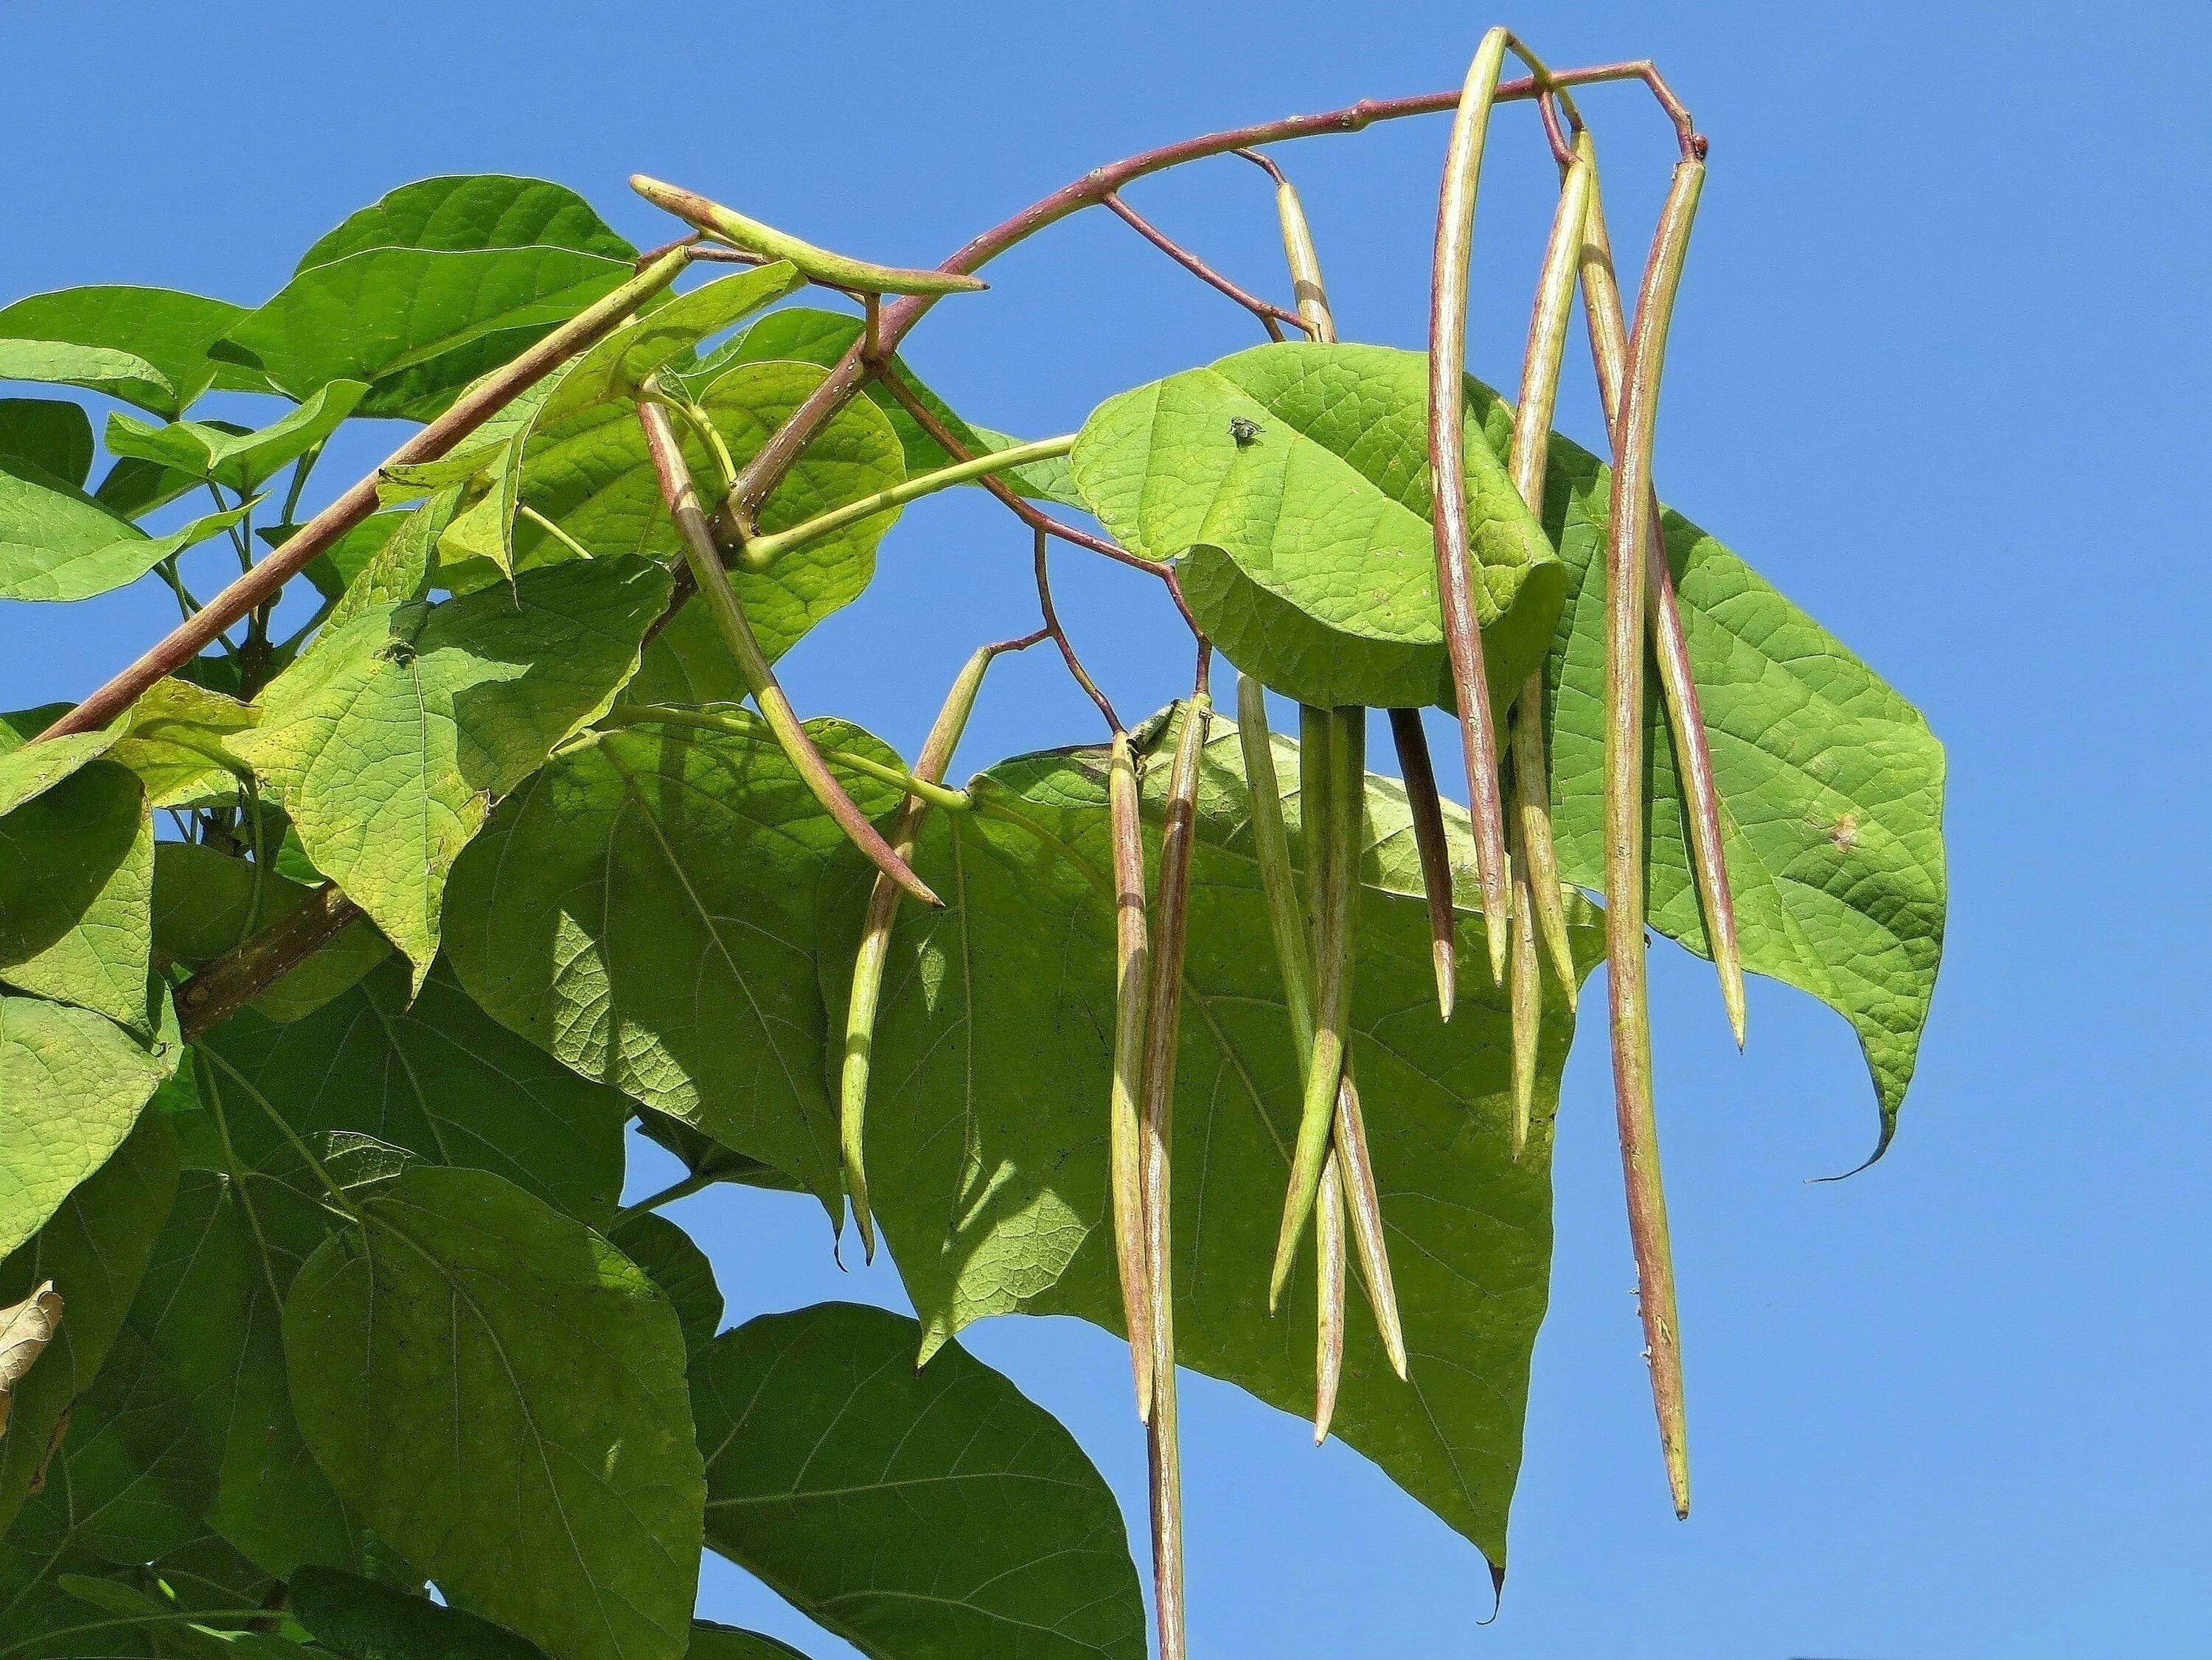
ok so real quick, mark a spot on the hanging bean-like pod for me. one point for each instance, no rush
(1428, 810)
(1157, 1125)
(1447, 467)
(705, 562)
(1305, 263)
(1328, 1293)
(1608, 333)
(1627, 575)
(1132, 1004)
(1334, 882)
(876, 940)
(1526, 993)
(1279, 881)
(1526, 462)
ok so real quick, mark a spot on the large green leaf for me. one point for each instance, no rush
(645, 909)
(52, 433)
(72, 1084)
(351, 1615)
(1831, 784)
(432, 1074)
(916, 1513)
(204, 905)
(241, 461)
(95, 1248)
(57, 543)
(563, 1497)
(671, 1259)
(591, 475)
(710, 1641)
(77, 893)
(173, 740)
(430, 286)
(458, 212)
(1293, 482)
(160, 329)
(992, 1057)
(28, 769)
(804, 335)
(619, 364)
(391, 739)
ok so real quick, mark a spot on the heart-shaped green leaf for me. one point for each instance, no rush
(916, 1513)
(241, 461)
(1292, 483)
(57, 543)
(76, 891)
(146, 346)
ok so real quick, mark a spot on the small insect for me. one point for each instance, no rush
(1245, 432)
(397, 651)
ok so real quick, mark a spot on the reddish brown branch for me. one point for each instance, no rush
(1066, 647)
(767, 468)
(1271, 315)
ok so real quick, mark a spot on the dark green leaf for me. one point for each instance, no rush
(916, 1513)
(51, 434)
(564, 1500)
(673, 1262)
(361, 1618)
(77, 893)
(95, 1248)
(994, 1043)
(702, 1155)
(28, 769)
(645, 909)
(712, 1642)
(435, 1075)
(203, 903)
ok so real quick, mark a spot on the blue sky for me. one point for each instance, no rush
(1939, 371)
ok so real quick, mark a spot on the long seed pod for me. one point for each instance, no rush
(1608, 333)
(818, 265)
(1328, 1292)
(1526, 461)
(1271, 847)
(1158, 1127)
(1366, 1206)
(1132, 1005)
(1627, 575)
(1305, 263)
(1525, 993)
(1428, 809)
(876, 938)
(1335, 926)
(682, 500)
(1447, 468)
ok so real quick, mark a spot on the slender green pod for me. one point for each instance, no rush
(876, 940)
(1608, 333)
(1420, 774)
(816, 265)
(1287, 921)
(1448, 474)
(1626, 579)
(760, 553)
(682, 500)
(1366, 1215)
(1335, 926)
(1132, 1005)
(1525, 995)
(1157, 1124)
(1526, 462)
(1328, 1291)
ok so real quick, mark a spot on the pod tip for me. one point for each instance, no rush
(1447, 964)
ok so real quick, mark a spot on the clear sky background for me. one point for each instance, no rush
(1940, 371)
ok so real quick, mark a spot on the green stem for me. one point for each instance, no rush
(760, 553)
(1133, 955)
(714, 584)
(553, 529)
(696, 1181)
